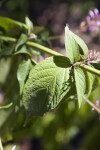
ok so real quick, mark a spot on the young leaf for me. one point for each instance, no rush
(23, 50)
(81, 43)
(38, 29)
(80, 82)
(71, 46)
(7, 51)
(27, 51)
(22, 73)
(21, 41)
(45, 87)
(29, 25)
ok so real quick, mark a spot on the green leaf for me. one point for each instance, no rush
(29, 25)
(97, 65)
(80, 82)
(46, 86)
(11, 147)
(23, 50)
(38, 29)
(27, 51)
(22, 73)
(90, 80)
(10, 27)
(81, 43)
(71, 46)
(21, 41)
(7, 51)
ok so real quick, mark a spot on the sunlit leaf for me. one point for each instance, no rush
(29, 25)
(80, 82)
(10, 27)
(46, 86)
(81, 43)
(71, 46)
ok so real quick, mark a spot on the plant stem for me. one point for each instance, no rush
(91, 104)
(43, 48)
(34, 45)
(51, 52)
(1, 148)
(88, 68)
(6, 106)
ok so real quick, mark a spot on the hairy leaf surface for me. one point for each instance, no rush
(46, 85)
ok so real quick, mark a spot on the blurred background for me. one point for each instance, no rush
(67, 127)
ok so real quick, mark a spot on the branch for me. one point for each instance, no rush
(88, 68)
(51, 52)
(34, 45)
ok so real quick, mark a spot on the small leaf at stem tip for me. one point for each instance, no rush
(29, 25)
(22, 39)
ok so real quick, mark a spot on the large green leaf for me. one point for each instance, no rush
(22, 73)
(80, 82)
(10, 27)
(46, 86)
(71, 46)
(81, 43)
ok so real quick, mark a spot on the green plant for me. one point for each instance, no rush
(34, 89)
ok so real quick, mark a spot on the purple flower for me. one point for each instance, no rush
(93, 56)
(98, 23)
(91, 13)
(67, 25)
(96, 11)
(92, 21)
(88, 18)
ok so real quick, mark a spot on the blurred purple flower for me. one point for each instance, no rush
(93, 56)
(67, 25)
(97, 104)
(96, 11)
(91, 13)
(92, 21)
